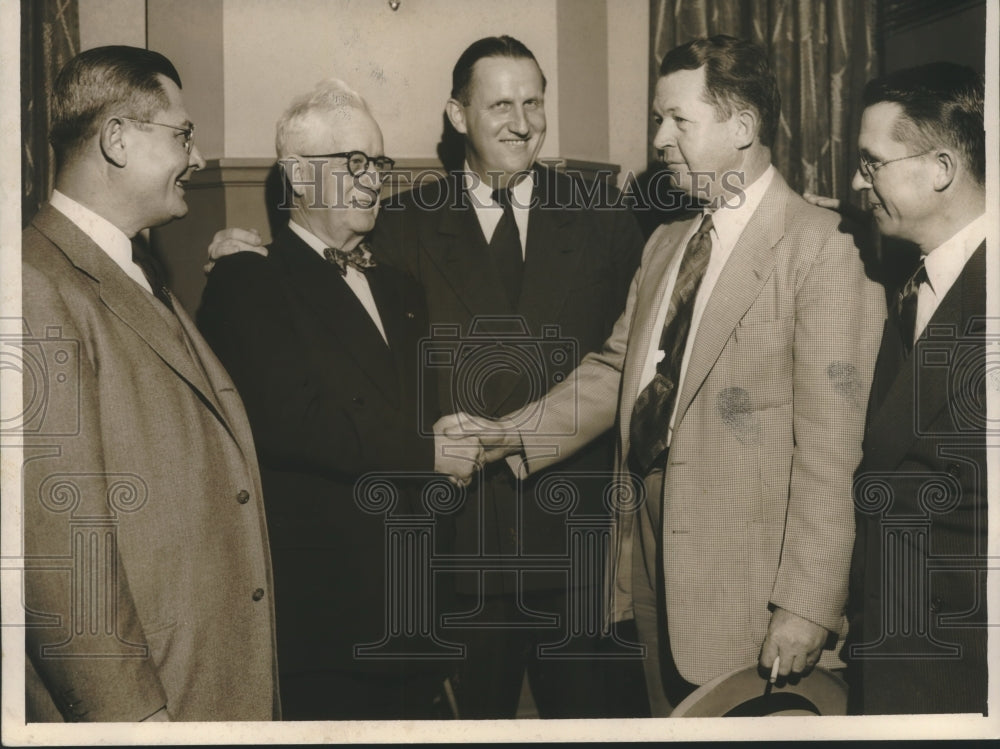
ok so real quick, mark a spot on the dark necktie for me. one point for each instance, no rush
(653, 407)
(143, 257)
(505, 248)
(359, 257)
(897, 340)
(906, 306)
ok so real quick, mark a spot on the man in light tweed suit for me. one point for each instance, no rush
(759, 314)
(148, 592)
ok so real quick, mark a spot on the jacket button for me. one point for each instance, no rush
(936, 604)
(258, 594)
(357, 400)
(410, 316)
(243, 497)
(954, 469)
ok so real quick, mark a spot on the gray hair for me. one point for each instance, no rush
(330, 96)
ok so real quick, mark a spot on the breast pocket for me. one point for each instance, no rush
(760, 360)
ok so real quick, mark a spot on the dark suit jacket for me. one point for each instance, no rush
(328, 402)
(918, 577)
(580, 257)
(141, 457)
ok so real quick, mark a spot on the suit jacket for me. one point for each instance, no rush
(918, 577)
(578, 262)
(328, 401)
(757, 489)
(149, 577)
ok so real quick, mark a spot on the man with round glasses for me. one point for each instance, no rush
(322, 343)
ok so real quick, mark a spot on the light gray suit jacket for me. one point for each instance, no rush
(148, 577)
(757, 505)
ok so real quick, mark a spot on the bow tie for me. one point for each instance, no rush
(359, 257)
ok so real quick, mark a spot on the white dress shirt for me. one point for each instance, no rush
(728, 224)
(105, 235)
(944, 265)
(489, 213)
(354, 278)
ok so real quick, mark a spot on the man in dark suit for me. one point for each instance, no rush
(322, 344)
(515, 257)
(918, 577)
(542, 266)
(148, 590)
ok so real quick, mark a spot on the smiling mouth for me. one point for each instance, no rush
(516, 141)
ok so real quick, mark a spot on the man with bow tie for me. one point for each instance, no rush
(322, 343)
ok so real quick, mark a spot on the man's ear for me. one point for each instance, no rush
(112, 136)
(299, 172)
(456, 115)
(945, 168)
(745, 127)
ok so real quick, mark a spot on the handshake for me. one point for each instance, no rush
(463, 444)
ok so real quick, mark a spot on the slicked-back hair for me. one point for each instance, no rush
(737, 76)
(490, 46)
(328, 97)
(105, 82)
(942, 104)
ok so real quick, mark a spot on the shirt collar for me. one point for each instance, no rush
(945, 262)
(112, 240)
(105, 235)
(309, 238)
(483, 193)
(731, 219)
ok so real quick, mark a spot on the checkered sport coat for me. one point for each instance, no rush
(757, 507)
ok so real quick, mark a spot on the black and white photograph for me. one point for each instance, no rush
(424, 371)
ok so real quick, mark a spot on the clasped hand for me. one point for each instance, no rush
(463, 444)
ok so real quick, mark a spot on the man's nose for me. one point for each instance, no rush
(195, 159)
(859, 181)
(664, 136)
(519, 121)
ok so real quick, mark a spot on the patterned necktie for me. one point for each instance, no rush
(653, 407)
(143, 257)
(360, 257)
(505, 248)
(906, 306)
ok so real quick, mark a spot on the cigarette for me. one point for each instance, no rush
(774, 669)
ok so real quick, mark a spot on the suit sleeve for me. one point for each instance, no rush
(298, 421)
(107, 677)
(838, 324)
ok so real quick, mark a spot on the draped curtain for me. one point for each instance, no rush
(822, 52)
(50, 36)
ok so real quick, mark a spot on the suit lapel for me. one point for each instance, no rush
(740, 283)
(393, 312)
(928, 377)
(651, 295)
(549, 253)
(338, 310)
(126, 300)
(459, 250)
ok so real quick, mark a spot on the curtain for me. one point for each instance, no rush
(822, 53)
(50, 36)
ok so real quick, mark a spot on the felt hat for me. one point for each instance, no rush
(744, 693)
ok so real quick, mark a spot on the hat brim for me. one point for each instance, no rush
(743, 693)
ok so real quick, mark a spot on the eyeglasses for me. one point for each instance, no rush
(868, 168)
(358, 162)
(188, 131)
